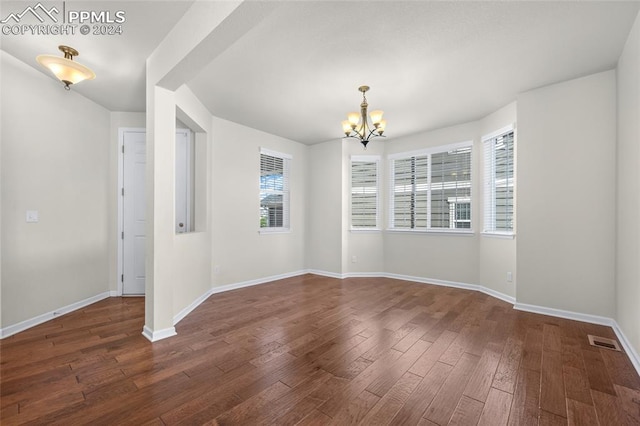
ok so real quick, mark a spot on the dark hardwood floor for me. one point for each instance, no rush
(311, 350)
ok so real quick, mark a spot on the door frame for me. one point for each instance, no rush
(119, 189)
(189, 153)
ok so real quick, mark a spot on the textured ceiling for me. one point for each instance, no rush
(429, 64)
(296, 73)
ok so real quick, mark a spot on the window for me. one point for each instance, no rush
(364, 192)
(498, 181)
(274, 190)
(459, 213)
(431, 189)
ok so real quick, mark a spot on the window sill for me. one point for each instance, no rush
(465, 233)
(365, 230)
(499, 235)
(274, 231)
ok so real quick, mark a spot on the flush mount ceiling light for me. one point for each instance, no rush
(66, 69)
(357, 125)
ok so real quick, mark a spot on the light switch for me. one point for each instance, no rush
(32, 216)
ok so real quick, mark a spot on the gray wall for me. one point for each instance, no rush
(628, 189)
(566, 195)
(55, 159)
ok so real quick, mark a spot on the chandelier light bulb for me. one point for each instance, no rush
(346, 127)
(381, 126)
(376, 117)
(353, 118)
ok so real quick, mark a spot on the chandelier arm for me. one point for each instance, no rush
(373, 134)
(370, 136)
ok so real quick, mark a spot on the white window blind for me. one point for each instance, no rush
(274, 190)
(499, 182)
(431, 190)
(451, 184)
(410, 184)
(364, 192)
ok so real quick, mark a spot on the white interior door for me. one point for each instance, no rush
(134, 164)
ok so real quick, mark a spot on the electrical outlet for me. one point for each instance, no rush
(354, 259)
(216, 269)
(509, 277)
(32, 216)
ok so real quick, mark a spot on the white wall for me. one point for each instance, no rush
(191, 252)
(475, 259)
(566, 195)
(178, 266)
(628, 188)
(55, 159)
(194, 41)
(366, 246)
(324, 209)
(239, 250)
(429, 255)
(496, 256)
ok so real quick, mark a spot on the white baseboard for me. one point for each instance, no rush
(186, 311)
(592, 319)
(466, 286)
(221, 289)
(242, 284)
(154, 336)
(444, 283)
(628, 347)
(363, 275)
(560, 313)
(32, 322)
(576, 316)
(325, 273)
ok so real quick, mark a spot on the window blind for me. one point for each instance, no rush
(274, 190)
(451, 189)
(499, 182)
(431, 190)
(364, 192)
(410, 183)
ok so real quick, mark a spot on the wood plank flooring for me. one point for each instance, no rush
(311, 350)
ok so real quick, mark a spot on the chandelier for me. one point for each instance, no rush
(357, 125)
(66, 69)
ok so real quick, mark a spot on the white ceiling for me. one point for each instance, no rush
(296, 74)
(118, 60)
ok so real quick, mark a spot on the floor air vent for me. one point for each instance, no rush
(603, 342)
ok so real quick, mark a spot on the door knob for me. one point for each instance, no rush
(181, 224)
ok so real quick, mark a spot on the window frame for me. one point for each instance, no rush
(286, 192)
(454, 203)
(489, 187)
(429, 152)
(365, 159)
